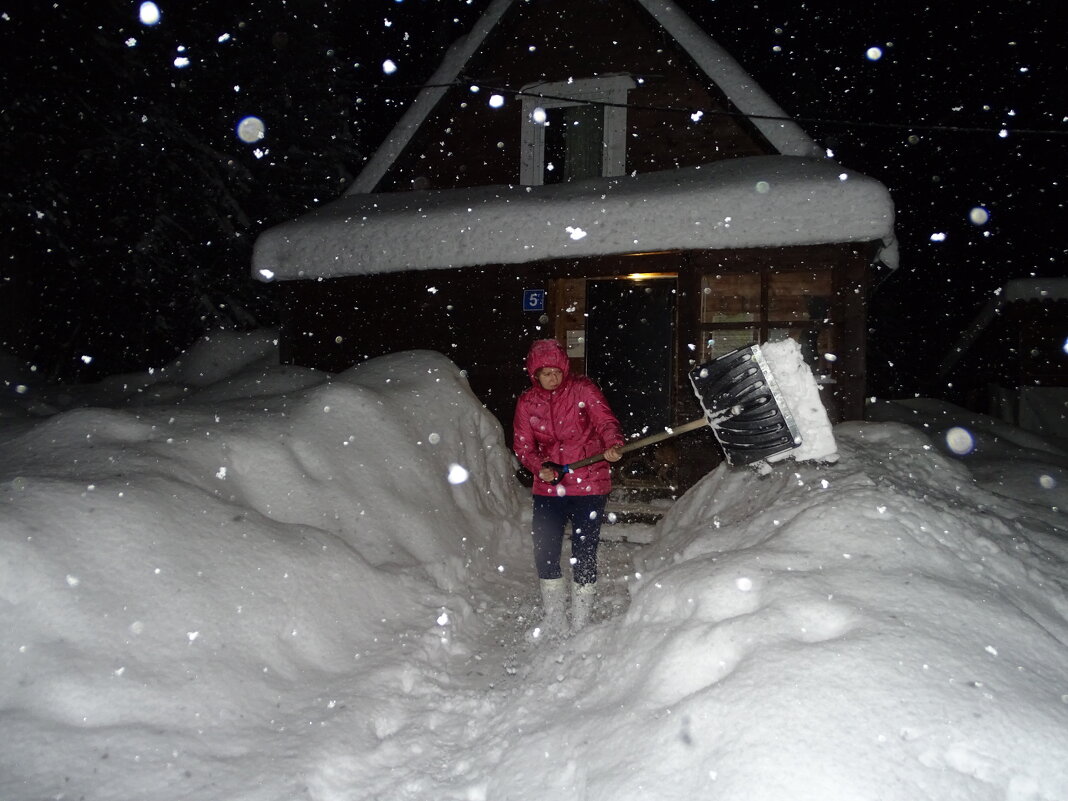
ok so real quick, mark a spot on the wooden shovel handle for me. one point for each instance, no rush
(633, 445)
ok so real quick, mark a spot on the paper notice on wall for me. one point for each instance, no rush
(576, 344)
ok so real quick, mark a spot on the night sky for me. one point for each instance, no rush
(130, 205)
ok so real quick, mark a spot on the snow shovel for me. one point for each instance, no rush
(743, 405)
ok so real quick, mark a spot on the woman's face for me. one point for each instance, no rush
(549, 378)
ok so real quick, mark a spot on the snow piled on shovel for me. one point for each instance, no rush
(797, 387)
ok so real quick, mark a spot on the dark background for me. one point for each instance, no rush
(129, 206)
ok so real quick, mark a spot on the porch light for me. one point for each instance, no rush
(647, 276)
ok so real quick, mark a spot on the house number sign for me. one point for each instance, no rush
(534, 300)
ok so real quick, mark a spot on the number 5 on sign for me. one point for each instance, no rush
(534, 300)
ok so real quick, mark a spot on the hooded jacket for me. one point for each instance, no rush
(565, 425)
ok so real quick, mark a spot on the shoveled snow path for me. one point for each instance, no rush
(462, 701)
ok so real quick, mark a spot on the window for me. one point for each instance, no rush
(738, 309)
(569, 133)
(574, 144)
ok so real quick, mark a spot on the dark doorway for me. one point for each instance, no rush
(629, 347)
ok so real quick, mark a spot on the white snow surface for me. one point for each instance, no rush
(237, 580)
(761, 201)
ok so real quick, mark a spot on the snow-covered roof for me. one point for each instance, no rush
(437, 85)
(785, 136)
(745, 93)
(1033, 289)
(1015, 290)
(796, 198)
(763, 201)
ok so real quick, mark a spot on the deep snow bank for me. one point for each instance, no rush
(182, 567)
(280, 585)
(878, 629)
(1003, 458)
(883, 628)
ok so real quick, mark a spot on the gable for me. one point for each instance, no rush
(453, 138)
(685, 182)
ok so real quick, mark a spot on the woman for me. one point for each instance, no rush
(560, 419)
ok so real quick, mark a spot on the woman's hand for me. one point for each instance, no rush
(613, 454)
(547, 474)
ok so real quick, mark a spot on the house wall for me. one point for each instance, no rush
(1023, 346)
(1041, 329)
(475, 316)
(843, 384)
(466, 143)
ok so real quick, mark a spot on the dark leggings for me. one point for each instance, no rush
(551, 514)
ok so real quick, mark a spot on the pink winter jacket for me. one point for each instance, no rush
(563, 426)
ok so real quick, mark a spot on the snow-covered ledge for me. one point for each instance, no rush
(764, 201)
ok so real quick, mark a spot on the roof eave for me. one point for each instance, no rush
(764, 201)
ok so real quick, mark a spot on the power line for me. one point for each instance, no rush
(695, 113)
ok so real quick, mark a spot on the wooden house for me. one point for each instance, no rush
(602, 172)
(1012, 361)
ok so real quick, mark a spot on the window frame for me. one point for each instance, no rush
(763, 325)
(609, 90)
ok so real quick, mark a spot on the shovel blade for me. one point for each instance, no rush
(744, 406)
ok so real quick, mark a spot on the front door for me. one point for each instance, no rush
(630, 332)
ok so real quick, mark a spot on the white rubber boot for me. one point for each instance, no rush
(554, 613)
(582, 596)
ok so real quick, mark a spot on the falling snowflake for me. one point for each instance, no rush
(457, 474)
(251, 129)
(149, 14)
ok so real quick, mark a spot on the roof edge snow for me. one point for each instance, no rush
(761, 201)
(1018, 289)
(437, 85)
(743, 91)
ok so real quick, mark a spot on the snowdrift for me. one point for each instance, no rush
(179, 567)
(240, 581)
(878, 629)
